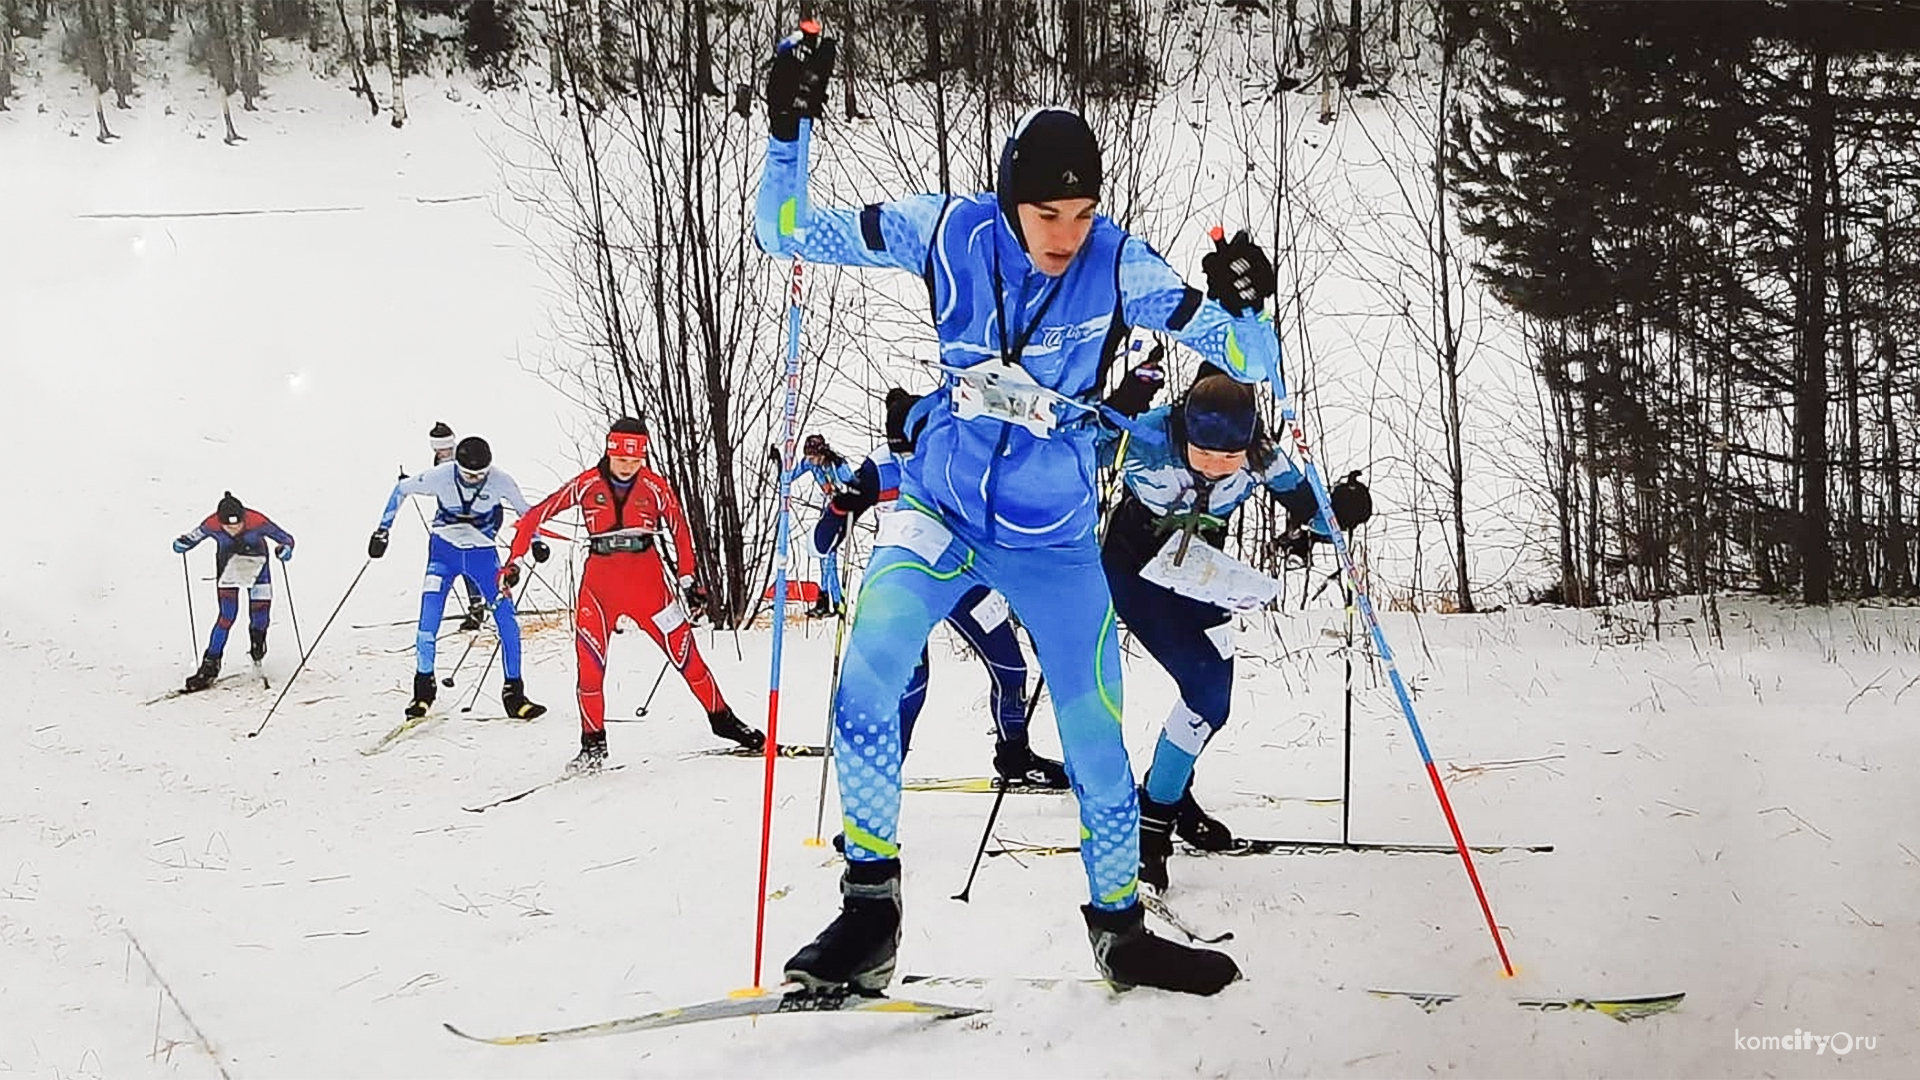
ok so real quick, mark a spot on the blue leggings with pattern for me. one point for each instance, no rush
(917, 577)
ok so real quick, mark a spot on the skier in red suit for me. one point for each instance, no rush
(630, 510)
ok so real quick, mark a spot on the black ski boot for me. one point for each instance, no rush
(203, 678)
(424, 689)
(1197, 827)
(1017, 764)
(593, 753)
(1128, 955)
(513, 696)
(728, 726)
(1156, 839)
(822, 606)
(257, 651)
(857, 949)
(476, 614)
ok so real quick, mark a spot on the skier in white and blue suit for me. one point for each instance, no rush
(1187, 467)
(1030, 291)
(472, 497)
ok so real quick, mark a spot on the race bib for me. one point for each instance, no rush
(916, 532)
(991, 612)
(1004, 392)
(1210, 575)
(241, 571)
(669, 618)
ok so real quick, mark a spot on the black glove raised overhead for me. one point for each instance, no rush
(541, 552)
(797, 82)
(1135, 393)
(1239, 275)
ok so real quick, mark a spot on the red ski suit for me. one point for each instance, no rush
(630, 583)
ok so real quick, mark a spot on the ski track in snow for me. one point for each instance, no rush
(1740, 824)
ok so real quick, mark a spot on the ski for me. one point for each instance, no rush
(1041, 982)
(541, 786)
(1157, 905)
(406, 727)
(181, 691)
(1244, 846)
(745, 1004)
(791, 750)
(1622, 1009)
(980, 785)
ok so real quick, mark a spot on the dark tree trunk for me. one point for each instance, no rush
(1810, 411)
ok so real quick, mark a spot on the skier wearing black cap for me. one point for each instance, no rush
(239, 538)
(442, 441)
(1187, 469)
(472, 497)
(1030, 290)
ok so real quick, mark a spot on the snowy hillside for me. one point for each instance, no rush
(1739, 823)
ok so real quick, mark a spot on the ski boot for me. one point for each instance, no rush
(858, 948)
(1197, 827)
(203, 678)
(424, 690)
(1156, 840)
(1129, 955)
(476, 614)
(1018, 765)
(822, 607)
(593, 753)
(513, 696)
(257, 651)
(728, 726)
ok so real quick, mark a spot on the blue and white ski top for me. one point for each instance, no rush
(467, 516)
(1002, 481)
(1158, 474)
(832, 479)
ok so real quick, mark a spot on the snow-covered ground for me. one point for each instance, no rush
(1740, 823)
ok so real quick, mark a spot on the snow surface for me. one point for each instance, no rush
(1739, 823)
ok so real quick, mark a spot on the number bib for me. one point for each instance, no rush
(241, 571)
(1209, 575)
(1004, 392)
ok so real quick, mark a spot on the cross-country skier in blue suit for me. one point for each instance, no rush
(1187, 467)
(472, 497)
(835, 477)
(1031, 290)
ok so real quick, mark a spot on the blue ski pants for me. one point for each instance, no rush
(920, 570)
(481, 567)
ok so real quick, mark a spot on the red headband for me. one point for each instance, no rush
(626, 444)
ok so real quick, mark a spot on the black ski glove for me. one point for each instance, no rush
(377, 544)
(541, 552)
(1135, 393)
(509, 576)
(1352, 502)
(1299, 544)
(697, 597)
(797, 82)
(1238, 273)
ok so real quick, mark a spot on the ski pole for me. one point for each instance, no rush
(286, 578)
(193, 624)
(457, 664)
(1346, 756)
(833, 696)
(1372, 623)
(474, 698)
(782, 536)
(664, 665)
(966, 892)
(316, 645)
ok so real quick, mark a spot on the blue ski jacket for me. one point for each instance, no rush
(1001, 480)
